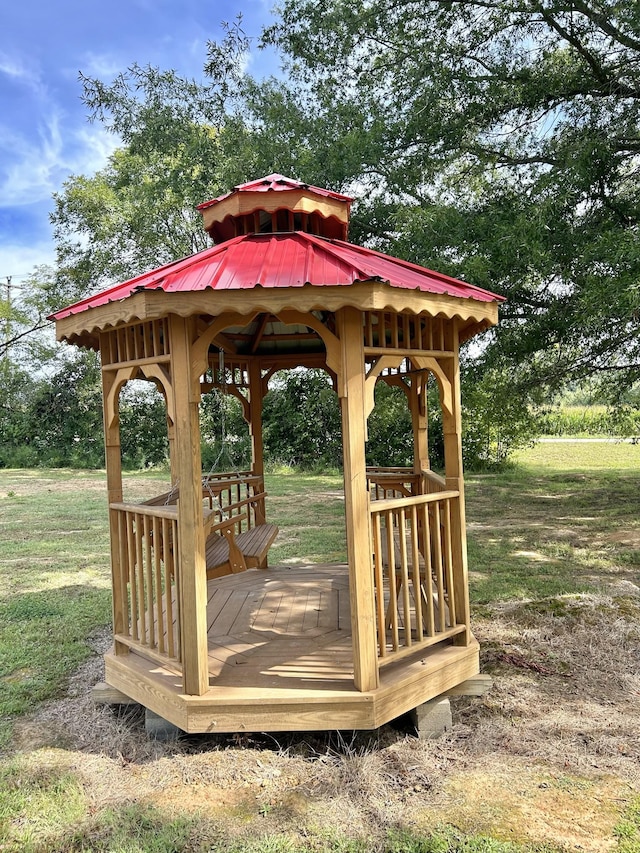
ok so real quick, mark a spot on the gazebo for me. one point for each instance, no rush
(206, 635)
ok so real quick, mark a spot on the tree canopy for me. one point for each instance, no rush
(494, 140)
(500, 142)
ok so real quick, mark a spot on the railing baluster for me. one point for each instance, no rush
(157, 566)
(140, 579)
(167, 531)
(448, 558)
(437, 562)
(415, 571)
(404, 569)
(428, 571)
(379, 585)
(150, 597)
(176, 577)
(133, 590)
(426, 567)
(124, 572)
(146, 588)
(392, 619)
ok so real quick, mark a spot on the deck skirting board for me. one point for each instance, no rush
(288, 708)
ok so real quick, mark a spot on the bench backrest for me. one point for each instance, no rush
(228, 495)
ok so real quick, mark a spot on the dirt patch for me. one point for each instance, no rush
(551, 753)
(530, 804)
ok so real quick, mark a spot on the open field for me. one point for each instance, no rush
(548, 760)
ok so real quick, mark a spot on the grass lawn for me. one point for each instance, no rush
(548, 760)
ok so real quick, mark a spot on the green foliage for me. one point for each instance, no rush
(390, 434)
(225, 440)
(60, 422)
(496, 421)
(140, 210)
(497, 142)
(23, 310)
(590, 421)
(627, 831)
(302, 423)
(143, 426)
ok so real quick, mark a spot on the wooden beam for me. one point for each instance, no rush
(476, 686)
(255, 418)
(104, 694)
(224, 342)
(111, 384)
(192, 567)
(368, 296)
(260, 332)
(452, 432)
(361, 592)
(419, 421)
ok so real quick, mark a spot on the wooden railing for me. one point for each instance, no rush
(415, 574)
(224, 495)
(146, 579)
(392, 482)
(146, 582)
(431, 482)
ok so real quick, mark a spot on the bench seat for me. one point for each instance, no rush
(253, 545)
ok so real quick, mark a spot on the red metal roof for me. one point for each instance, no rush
(279, 261)
(274, 183)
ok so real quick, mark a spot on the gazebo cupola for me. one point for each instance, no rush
(342, 646)
(276, 204)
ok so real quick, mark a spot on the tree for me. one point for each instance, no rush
(140, 210)
(500, 143)
(302, 424)
(27, 354)
(59, 420)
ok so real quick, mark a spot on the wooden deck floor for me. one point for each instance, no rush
(280, 659)
(267, 627)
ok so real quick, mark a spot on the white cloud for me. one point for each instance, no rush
(102, 65)
(18, 260)
(35, 168)
(94, 146)
(21, 72)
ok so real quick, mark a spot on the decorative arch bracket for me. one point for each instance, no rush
(432, 364)
(384, 362)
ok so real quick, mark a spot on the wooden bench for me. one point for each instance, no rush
(227, 552)
(240, 540)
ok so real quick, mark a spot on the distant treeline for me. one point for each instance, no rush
(590, 421)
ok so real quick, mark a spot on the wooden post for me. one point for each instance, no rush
(255, 409)
(418, 406)
(172, 453)
(193, 576)
(452, 431)
(361, 593)
(113, 464)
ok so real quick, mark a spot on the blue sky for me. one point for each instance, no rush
(44, 132)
